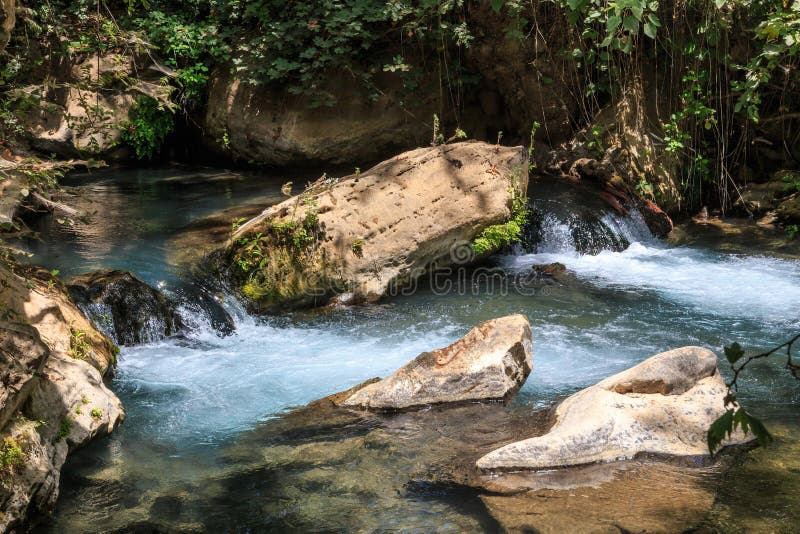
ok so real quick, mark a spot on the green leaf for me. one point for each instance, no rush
(497, 5)
(649, 30)
(759, 430)
(734, 352)
(631, 24)
(637, 10)
(718, 430)
(613, 23)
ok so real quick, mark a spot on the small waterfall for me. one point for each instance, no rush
(575, 221)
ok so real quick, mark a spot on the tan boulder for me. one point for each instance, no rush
(491, 362)
(663, 406)
(83, 112)
(53, 396)
(377, 231)
(263, 124)
(36, 297)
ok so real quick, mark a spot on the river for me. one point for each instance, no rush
(189, 399)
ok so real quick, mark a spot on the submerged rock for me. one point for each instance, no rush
(124, 307)
(378, 231)
(53, 398)
(490, 363)
(663, 406)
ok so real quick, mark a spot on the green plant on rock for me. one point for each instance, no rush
(78, 345)
(281, 262)
(64, 429)
(96, 413)
(148, 126)
(792, 182)
(358, 247)
(497, 236)
(11, 454)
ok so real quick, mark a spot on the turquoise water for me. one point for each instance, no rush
(190, 399)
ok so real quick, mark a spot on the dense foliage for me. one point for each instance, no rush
(724, 70)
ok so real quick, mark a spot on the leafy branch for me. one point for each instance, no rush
(736, 416)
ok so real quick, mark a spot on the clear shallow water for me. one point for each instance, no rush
(188, 400)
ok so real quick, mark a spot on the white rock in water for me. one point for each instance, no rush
(664, 405)
(490, 363)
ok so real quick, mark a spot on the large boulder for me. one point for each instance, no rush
(83, 106)
(125, 308)
(663, 406)
(379, 230)
(491, 362)
(34, 296)
(263, 124)
(22, 357)
(53, 398)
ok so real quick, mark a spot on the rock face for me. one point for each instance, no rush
(491, 362)
(53, 398)
(266, 125)
(7, 20)
(82, 112)
(124, 307)
(373, 232)
(662, 406)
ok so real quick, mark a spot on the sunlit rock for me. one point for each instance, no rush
(662, 406)
(490, 363)
(378, 231)
(53, 398)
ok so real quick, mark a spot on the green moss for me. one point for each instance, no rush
(78, 346)
(495, 237)
(64, 429)
(282, 262)
(11, 454)
(358, 247)
(95, 413)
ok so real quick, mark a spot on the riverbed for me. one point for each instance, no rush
(193, 401)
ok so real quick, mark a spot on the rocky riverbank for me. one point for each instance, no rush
(55, 398)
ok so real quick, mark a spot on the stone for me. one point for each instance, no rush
(34, 296)
(662, 406)
(376, 231)
(761, 198)
(789, 210)
(82, 108)
(491, 362)
(53, 395)
(127, 309)
(265, 125)
(22, 357)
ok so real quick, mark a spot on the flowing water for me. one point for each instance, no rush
(203, 448)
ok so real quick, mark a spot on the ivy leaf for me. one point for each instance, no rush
(734, 353)
(653, 19)
(650, 30)
(497, 5)
(718, 430)
(613, 23)
(631, 24)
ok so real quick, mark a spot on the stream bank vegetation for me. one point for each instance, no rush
(702, 92)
